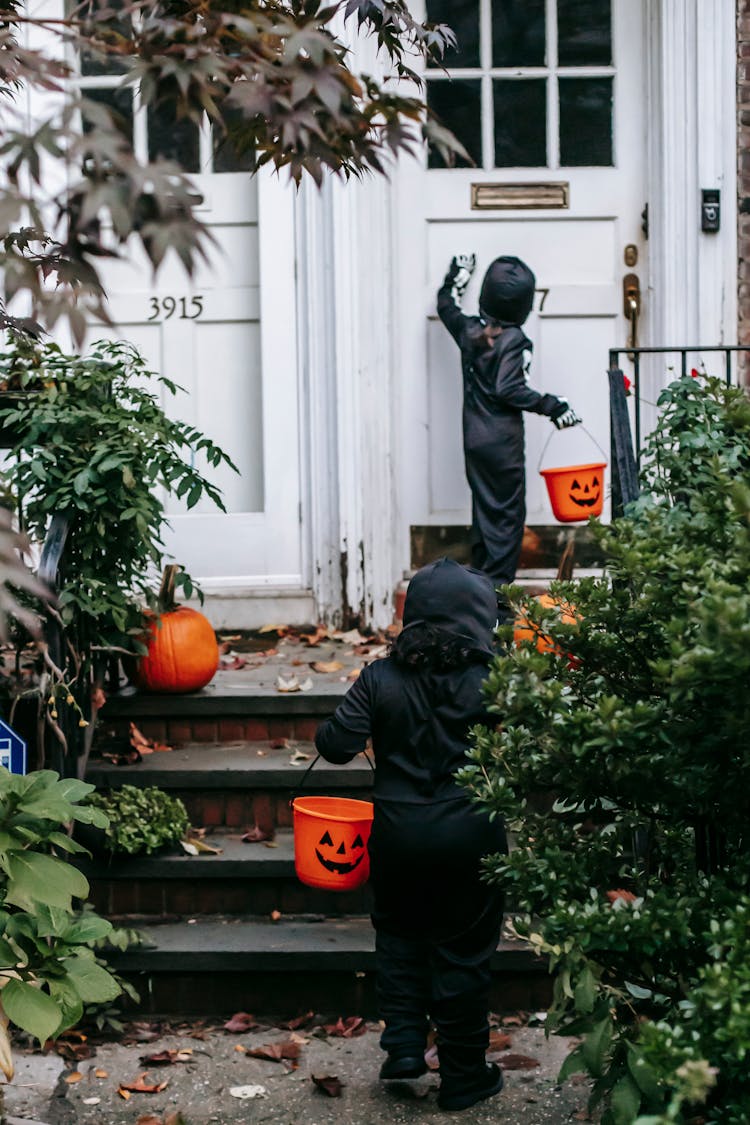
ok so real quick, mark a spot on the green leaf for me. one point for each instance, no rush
(595, 1046)
(31, 1009)
(638, 992)
(93, 984)
(88, 928)
(625, 1101)
(66, 997)
(585, 991)
(34, 878)
(574, 1063)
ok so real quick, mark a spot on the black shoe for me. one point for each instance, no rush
(484, 1086)
(403, 1066)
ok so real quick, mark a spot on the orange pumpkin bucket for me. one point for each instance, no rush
(576, 491)
(330, 841)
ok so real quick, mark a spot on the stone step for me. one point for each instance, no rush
(218, 964)
(228, 710)
(236, 784)
(244, 879)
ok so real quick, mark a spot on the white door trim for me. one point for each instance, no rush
(692, 144)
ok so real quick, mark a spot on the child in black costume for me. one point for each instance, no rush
(437, 924)
(495, 355)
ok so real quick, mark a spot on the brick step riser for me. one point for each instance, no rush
(177, 730)
(269, 809)
(186, 898)
(290, 993)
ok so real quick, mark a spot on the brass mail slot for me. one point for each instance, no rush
(513, 197)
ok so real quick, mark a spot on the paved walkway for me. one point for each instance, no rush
(201, 1087)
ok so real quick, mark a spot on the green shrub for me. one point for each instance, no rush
(48, 968)
(634, 738)
(141, 821)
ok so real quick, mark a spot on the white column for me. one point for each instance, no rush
(691, 145)
(345, 298)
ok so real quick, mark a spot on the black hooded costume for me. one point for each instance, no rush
(495, 355)
(437, 925)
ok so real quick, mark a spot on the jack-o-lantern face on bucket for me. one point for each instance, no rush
(342, 856)
(585, 495)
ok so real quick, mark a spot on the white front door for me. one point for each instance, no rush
(547, 96)
(227, 336)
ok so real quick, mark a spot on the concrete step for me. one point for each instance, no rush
(245, 879)
(236, 784)
(245, 963)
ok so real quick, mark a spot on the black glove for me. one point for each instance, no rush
(564, 416)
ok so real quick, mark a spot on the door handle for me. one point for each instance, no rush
(631, 306)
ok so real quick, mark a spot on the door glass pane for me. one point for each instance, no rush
(520, 123)
(585, 121)
(230, 153)
(119, 28)
(518, 33)
(584, 32)
(458, 104)
(462, 16)
(173, 139)
(121, 104)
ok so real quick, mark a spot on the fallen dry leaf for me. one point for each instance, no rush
(280, 629)
(240, 1049)
(275, 915)
(232, 662)
(277, 1052)
(142, 1086)
(297, 757)
(124, 1094)
(354, 674)
(287, 684)
(99, 1073)
(314, 638)
(499, 1041)
(240, 1022)
(71, 1079)
(517, 1062)
(140, 1031)
(431, 1058)
(245, 1092)
(93, 1101)
(300, 1021)
(258, 835)
(327, 666)
(348, 1028)
(350, 637)
(279, 743)
(167, 1057)
(149, 1119)
(144, 745)
(328, 1084)
(513, 1021)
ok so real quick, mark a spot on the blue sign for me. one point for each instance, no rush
(12, 750)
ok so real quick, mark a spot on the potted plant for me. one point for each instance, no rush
(141, 821)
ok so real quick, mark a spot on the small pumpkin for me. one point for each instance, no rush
(183, 654)
(525, 630)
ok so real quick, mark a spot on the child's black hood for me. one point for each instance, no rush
(454, 598)
(507, 291)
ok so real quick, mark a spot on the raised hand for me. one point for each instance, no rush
(461, 268)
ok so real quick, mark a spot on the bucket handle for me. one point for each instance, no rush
(298, 788)
(554, 432)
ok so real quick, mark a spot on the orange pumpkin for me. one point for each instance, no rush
(524, 630)
(182, 651)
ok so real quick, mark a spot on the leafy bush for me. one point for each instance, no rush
(48, 969)
(622, 759)
(141, 821)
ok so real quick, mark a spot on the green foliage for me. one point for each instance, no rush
(141, 821)
(95, 442)
(277, 83)
(621, 759)
(48, 968)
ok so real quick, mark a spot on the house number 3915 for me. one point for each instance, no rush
(186, 308)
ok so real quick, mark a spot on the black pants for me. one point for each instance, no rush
(437, 926)
(498, 514)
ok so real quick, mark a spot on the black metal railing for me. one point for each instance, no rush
(626, 447)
